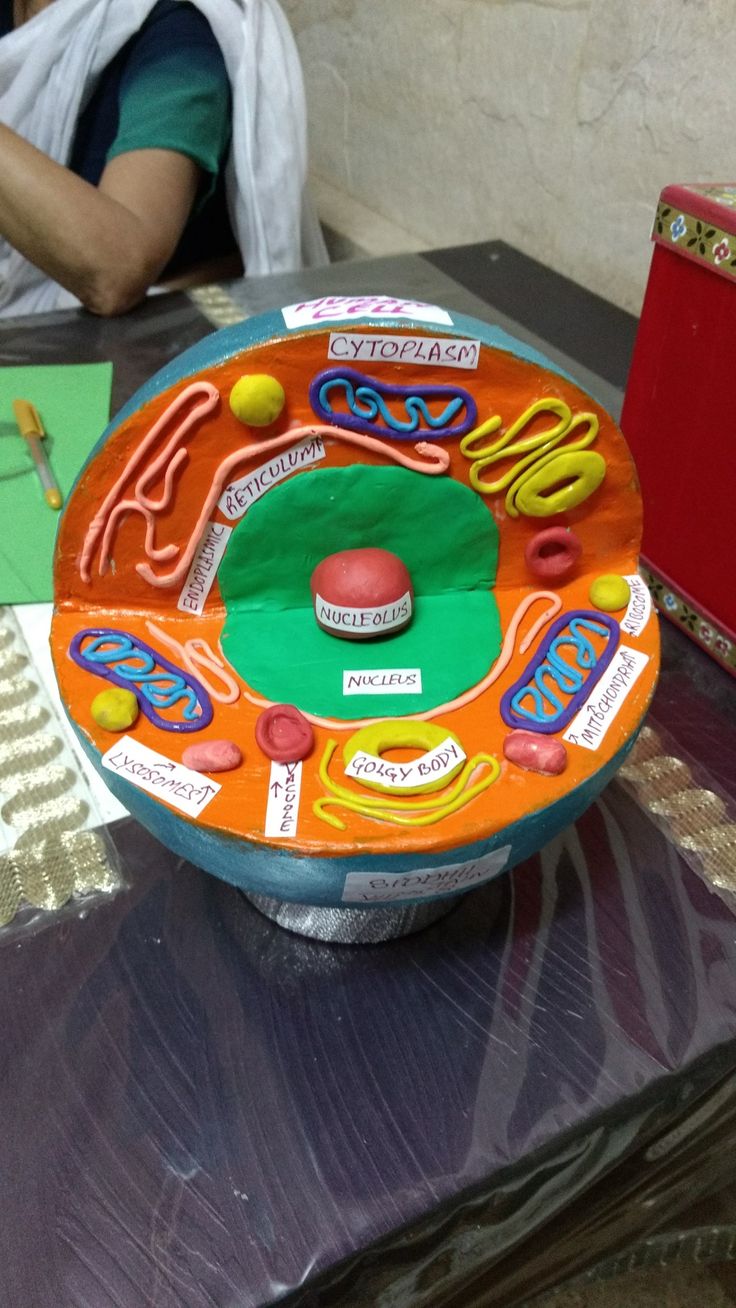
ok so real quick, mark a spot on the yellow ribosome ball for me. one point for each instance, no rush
(115, 710)
(610, 592)
(257, 399)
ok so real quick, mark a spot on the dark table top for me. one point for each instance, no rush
(202, 1110)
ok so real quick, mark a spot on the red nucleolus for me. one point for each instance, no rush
(284, 734)
(363, 593)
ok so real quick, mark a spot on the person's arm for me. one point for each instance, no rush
(106, 244)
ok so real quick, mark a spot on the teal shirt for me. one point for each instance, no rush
(167, 89)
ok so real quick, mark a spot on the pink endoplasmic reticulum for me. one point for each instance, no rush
(432, 460)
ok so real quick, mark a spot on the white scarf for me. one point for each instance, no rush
(48, 70)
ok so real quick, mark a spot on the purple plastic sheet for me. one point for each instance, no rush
(208, 1110)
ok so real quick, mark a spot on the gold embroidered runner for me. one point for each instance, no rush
(49, 849)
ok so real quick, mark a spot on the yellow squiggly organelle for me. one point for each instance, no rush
(408, 812)
(545, 480)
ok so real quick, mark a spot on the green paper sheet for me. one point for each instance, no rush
(73, 401)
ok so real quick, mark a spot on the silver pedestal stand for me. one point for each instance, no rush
(353, 926)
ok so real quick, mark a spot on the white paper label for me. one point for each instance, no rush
(383, 681)
(432, 766)
(282, 809)
(426, 883)
(238, 497)
(592, 721)
(204, 567)
(386, 617)
(444, 352)
(187, 790)
(639, 608)
(335, 307)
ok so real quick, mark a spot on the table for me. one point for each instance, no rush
(200, 1109)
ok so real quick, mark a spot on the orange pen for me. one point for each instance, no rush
(32, 430)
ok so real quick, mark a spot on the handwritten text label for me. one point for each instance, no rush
(637, 614)
(592, 721)
(427, 350)
(432, 766)
(185, 789)
(282, 809)
(238, 497)
(337, 307)
(204, 567)
(383, 681)
(426, 883)
(385, 617)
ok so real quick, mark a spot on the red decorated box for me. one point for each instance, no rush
(679, 414)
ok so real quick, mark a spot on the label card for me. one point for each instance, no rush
(187, 790)
(238, 497)
(351, 347)
(284, 790)
(385, 617)
(383, 681)
(204, 567)
(639, 608)
(427, 883)
(592, 721)
(433, 765)
(336, 307)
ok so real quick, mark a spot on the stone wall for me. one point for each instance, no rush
(552, 125)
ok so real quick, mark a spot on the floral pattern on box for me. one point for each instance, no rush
(693, 236)
(704, 631)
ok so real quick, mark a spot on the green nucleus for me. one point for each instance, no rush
(441, 530)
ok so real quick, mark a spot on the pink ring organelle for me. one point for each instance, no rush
(551, 554)
(284, 733)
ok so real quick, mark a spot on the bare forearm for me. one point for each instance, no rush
(83, 238)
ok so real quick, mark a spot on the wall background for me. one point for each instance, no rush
(552, 124)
